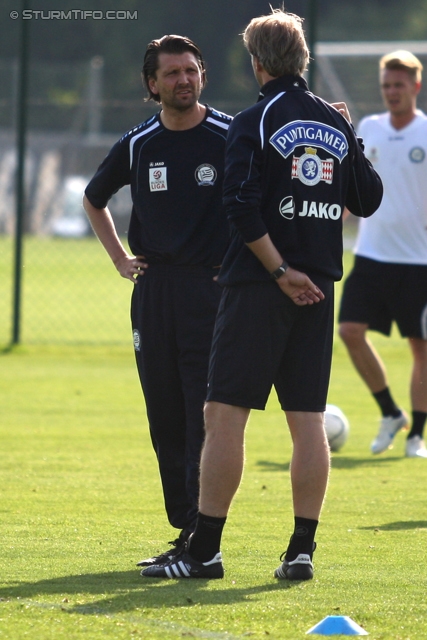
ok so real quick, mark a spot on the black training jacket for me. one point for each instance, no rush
(176, 180)
(293, 163)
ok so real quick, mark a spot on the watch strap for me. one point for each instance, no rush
(279, 271)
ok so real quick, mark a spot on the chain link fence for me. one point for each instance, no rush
(71, 293)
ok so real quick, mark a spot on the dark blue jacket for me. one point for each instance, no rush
(293, 163)
(176, 184)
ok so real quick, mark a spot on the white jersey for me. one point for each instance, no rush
(397, 232)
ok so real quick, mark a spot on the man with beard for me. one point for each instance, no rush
(174, 164)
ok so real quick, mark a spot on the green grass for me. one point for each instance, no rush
(71, 293)
(80, 504)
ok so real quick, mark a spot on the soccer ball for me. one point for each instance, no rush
(336, 426)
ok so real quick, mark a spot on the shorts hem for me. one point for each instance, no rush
(317, 410)
(384, 332)
(212, 397)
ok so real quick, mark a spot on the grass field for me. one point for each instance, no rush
(81, 504)
(71, 293)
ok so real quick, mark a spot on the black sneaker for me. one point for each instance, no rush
(299, 569)
(184, 566)
(178, 545)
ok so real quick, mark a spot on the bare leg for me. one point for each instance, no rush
(419, 374)
(363, 355)
(372, 371)
(309, 478)
(222, 458)
(310, 463)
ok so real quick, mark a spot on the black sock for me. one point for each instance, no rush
(386, 403)
(206, 540)
(418, 422)
(302, 540)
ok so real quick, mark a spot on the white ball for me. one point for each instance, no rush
(336, 426)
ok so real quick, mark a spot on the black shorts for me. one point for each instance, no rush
(378, 293)
(262, 338)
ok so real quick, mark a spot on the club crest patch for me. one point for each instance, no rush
(417, 154)
(157, 178)
(205, 175)
(310, 169)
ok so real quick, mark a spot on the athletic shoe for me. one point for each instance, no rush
(299, 569)
(184, 566)
(389, 426)
(415, 448)
(179, 545)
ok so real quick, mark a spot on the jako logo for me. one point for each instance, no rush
(287, 208)
(320, 210)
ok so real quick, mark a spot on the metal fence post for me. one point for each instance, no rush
(20, 174)
(312, 37)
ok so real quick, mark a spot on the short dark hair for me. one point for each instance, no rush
(168, 44)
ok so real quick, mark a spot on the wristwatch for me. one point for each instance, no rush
(280, 271)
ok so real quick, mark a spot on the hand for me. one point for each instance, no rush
(300, 289)
(131, 267)
(343, 109)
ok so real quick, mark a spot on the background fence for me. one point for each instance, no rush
(71, 293)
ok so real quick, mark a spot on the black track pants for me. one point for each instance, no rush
(173, 313)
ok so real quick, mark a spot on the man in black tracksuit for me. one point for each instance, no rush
(178, 233)
(293, 163)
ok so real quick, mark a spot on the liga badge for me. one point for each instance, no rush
(310, 169)
(157, 178)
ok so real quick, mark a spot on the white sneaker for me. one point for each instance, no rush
(389, 426)
(415, 448)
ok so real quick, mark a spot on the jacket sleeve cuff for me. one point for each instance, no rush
(248, 223)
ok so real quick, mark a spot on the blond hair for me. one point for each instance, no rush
(278, 42)
(402, 61)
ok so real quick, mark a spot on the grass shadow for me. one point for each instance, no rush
(161, 594)
(8, 348)
(121, 591)
(345, 462)
(92, 583)
(399, 525)
(337, 462)
(268, 465)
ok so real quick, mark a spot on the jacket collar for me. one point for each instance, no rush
(283, 83)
